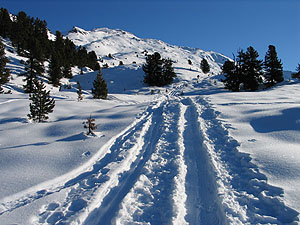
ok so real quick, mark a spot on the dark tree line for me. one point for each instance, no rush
(4, 72)
(30, 37)
(248, 71)
(159, 71)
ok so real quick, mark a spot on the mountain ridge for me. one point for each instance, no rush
(124, 46)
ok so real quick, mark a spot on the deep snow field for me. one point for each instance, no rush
(208, 156)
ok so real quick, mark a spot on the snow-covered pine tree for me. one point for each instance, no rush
(204, 66)
(90, 125)
(4, 72)
(41, 104)
(100, 88)
(273, 67)
(79, 92)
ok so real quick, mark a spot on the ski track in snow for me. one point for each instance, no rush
(176, 164)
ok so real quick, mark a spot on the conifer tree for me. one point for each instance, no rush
(33, 68)
(21, 31)
(159, 71)
(55, 70)
(204, 66)
(79, 92)
(67, 71)
(232, 80)
(251, 69)
(100, 88)
(41, 104)
(153, 69)
(168, 72)
(82, 59)
(273, 67)
(4, 72)
(5, 23)
(92, 61)
(246, 69)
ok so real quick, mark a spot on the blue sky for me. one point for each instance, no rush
(223, 26)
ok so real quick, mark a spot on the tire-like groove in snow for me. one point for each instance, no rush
(106, 211)
(158, 196)
(108, 181)
(246, 196)
(203, 204)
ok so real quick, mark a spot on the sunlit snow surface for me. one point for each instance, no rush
(208, 156)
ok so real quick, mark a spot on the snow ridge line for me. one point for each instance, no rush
(32, 194)
(158, 196)
(245, 194)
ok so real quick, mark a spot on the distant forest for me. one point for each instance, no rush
(30, 37)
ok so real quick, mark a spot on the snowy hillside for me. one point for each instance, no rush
(208, 156)
(129, 49)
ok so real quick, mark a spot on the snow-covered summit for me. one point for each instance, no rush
(128, 48)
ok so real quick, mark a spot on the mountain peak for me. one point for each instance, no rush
(78, 30)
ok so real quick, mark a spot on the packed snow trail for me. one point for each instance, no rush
(201, 183)
(176, 164)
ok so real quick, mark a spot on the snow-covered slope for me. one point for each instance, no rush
(208, 156)
(129, 49)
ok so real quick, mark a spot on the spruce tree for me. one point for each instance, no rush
(251, 69)
(79, 92)
(93, 61)
(168, 72)
(67, 71)
(5, 23)
(100, 88)
(204, 66)
(21, 32)
(159, 71)
(33, 68)
(41, 104)
(232, 79)
(153, 69)
(273, 67)
(82, 58)
(55, 70)
(4, 72)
